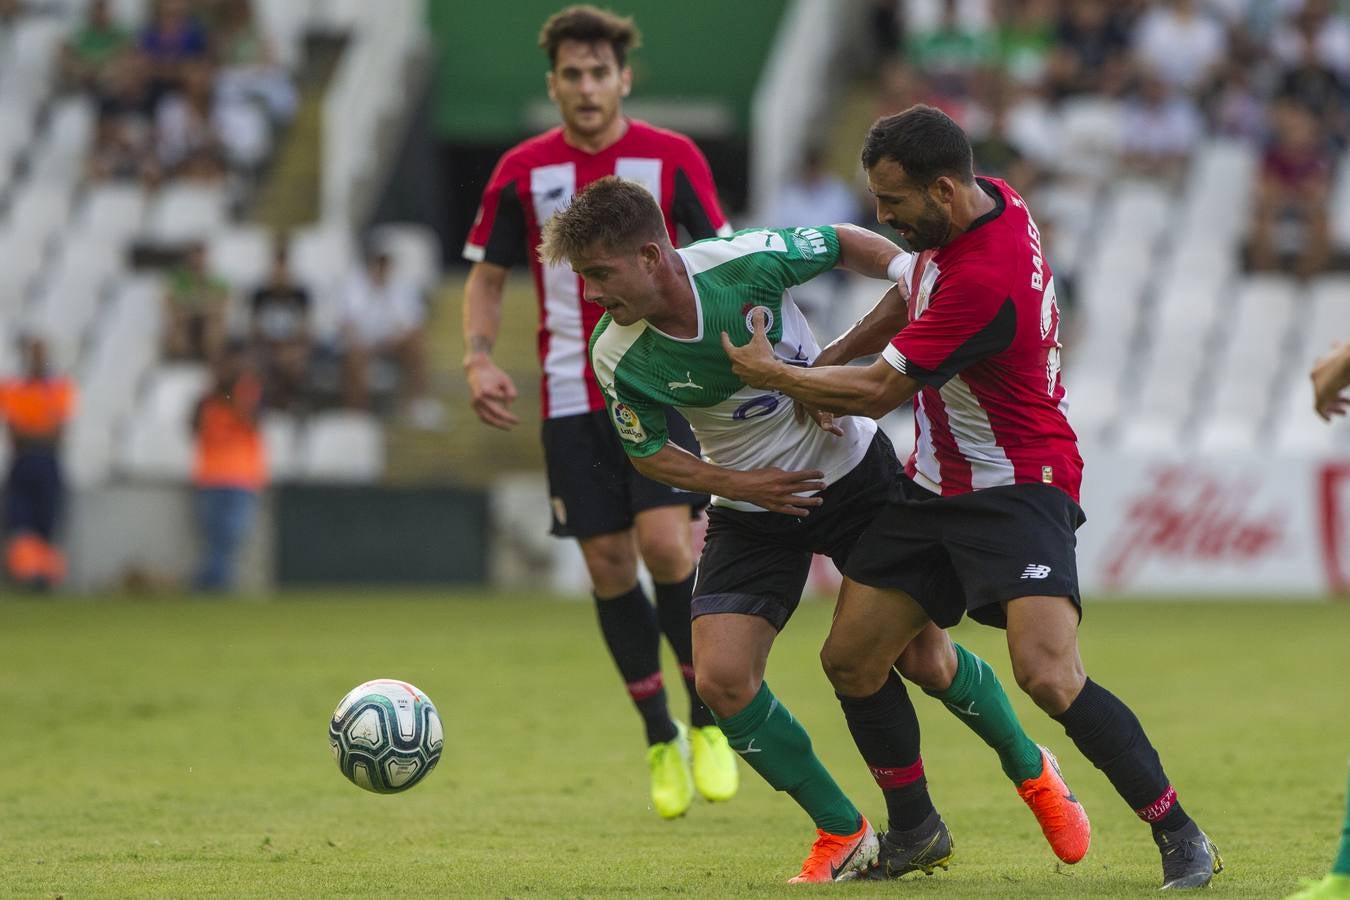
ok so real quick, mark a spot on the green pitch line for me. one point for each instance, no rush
(173, 748)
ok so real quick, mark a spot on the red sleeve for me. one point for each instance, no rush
(965, 321)
(696, 206)
(498, 233)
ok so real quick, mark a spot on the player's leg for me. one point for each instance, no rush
(1336, 885)
(662, 517)
(589, 503)
(749, 583)
(871, 627)
(1043, 644)
(972, 692)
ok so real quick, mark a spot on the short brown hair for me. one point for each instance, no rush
(589, 25)
(614, 214)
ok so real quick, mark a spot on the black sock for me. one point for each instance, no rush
(630, 631)
(1108, 734)
(672, 611)
(887, 734)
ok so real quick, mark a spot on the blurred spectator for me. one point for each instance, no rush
(1314, 32)
(952, 52)
(1161, 127)
(382, 319)
(36, 407)
(884, 28)
(188, 143)
(281, 333)
(1292, 187)
(92, 49)
(195, 309)
(816, 196)
(996, 151)
(1182, 43)
(230, 468)
(1091, 54)
(123, 137)
(1026, 38)
(1309, 81)
(1236, 109)
(249, 69)
(171, 41)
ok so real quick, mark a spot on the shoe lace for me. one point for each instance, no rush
(1043, 797)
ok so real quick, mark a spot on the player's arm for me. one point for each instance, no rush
(868, 253)
(491, 390)
(869, 391)
(1330, 377)
(496, 242)
(774, 489)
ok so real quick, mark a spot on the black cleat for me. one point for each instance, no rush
(1189, 859)
(922, 849)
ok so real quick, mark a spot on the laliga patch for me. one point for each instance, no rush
(750, 319)
(628, 424)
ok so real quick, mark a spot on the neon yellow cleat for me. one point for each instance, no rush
(672, 784)
(715, 772)
(1333, 887)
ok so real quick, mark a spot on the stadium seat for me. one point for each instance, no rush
(157, 440)
(241, 255)
(185, 212)
(1339, 205)
(110, 212)
(60, 157)
(416, 252)
(321, 258)
(40, 211)
(342, 446)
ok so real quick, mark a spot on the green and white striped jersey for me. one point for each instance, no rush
(642, 370)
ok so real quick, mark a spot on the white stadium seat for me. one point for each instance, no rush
(342, 446)
(186, 212)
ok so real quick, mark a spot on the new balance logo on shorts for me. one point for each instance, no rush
(1035, 571)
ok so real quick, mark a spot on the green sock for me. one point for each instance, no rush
(1342, 864)
(777, 747)
(977, 699)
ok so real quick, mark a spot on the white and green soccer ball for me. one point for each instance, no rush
(386, 735)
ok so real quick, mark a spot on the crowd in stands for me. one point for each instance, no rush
(1167, 73)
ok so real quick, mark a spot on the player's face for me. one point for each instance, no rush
(913, 211)
(589, 85)
(621, 282)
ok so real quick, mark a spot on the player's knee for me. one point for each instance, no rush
(1051, 687)
(725, 689)
(612, 567)
(668, 557)
(930, 667)
(852, 674)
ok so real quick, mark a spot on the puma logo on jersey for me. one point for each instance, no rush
(687, 383)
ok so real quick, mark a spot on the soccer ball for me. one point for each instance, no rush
(386, 735)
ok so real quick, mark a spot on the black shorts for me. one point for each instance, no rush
(970, 552)
(757, 563)
(592, 486)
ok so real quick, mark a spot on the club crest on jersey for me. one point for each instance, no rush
(627, 423)
(750, 319)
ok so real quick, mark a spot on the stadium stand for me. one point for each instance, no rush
(84, 257)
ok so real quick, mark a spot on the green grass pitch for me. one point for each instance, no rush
(179, 749)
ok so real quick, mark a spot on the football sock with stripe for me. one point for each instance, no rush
(978, 700)
(887, 734)
(1342, 864)
(776, 746)
(1107, 733)
(629, 626)
(672, 611)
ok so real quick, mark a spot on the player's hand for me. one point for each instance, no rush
(1330, 377)
(754, 363)
(491, 393)
(824, 420)
(777, 490)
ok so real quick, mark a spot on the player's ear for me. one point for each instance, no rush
(625, 80)
(650, 254)
(943, 189)
(550, 81)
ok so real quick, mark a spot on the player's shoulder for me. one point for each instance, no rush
(663, 139)
(546, 147)
(610, 343)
